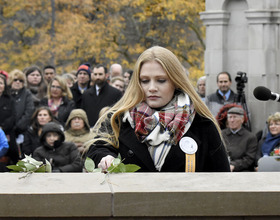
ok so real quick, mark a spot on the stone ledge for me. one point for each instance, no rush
(140, 195)
(263, 16)
(215, 17)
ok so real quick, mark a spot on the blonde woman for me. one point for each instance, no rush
(271, 141)
(24, 108)
(160, 123)
(59, 99)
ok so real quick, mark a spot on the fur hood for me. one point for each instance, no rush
(77, 113)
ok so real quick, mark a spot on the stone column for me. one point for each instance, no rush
(244, 36)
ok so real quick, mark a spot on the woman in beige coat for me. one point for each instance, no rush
(77, 129)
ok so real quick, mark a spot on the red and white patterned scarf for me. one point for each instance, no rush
(54, 108)
(164, 128)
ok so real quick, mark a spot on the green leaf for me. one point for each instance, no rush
(48, 166)
(30, 167)
(41, 169)
(89, 165)
(21, 163)
(111, 168)
(116, 161)
(119, 156)
(122, 168)
(15, 168)
(131, 168)
(97, 170)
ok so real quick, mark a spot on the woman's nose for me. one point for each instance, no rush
(152, 86)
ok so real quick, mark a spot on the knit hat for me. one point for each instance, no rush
(84, 67)
(236, 110)
(4, 73)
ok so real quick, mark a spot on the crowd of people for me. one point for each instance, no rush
(42, 111)
(152, 116)
(244, 148)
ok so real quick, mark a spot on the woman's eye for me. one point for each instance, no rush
(144, 81)
(162, 80)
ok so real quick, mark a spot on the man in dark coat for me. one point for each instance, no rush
(241, 144)
(100, 95)
(82, 84)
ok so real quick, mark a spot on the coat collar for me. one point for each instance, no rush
(240, 132)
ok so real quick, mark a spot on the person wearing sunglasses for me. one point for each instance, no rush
(24, 107)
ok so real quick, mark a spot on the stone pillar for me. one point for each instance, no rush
(244, 35)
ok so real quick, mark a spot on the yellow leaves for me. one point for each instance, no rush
(106, 31)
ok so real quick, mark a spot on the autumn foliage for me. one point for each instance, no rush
(67, 33)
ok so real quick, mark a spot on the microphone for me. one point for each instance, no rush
(262, 93)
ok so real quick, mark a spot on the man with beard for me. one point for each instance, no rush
(82, 84)
(224, 95)
(100, 95)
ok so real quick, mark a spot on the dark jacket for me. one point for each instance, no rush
(24, 109)
(92, 104)
(31, 142)
(242, 148)
(7, 113)
(259, 149)
(210, 156)
(77, 95)
(64, 109)
(63, 156)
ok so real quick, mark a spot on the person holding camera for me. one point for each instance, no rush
(224, 95)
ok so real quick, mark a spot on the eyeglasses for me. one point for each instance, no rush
(55, 87)
(20, 80)
(274, 124)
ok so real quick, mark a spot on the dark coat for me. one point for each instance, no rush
(31, 142)
(64, 109)
(77, 95)
(7, 113)
(24, 109)
(242, 148)
(210, 156)
(259, 149)
(64, 156)
(7, 122)
(92, 104)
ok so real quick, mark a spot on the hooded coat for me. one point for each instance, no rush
(78, 136)
(63, 156)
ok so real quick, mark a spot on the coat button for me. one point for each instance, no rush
(130, 153)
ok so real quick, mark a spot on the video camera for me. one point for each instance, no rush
(241, 79)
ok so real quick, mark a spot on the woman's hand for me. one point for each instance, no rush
(105, 162)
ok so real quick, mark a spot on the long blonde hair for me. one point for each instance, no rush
(134, 94)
